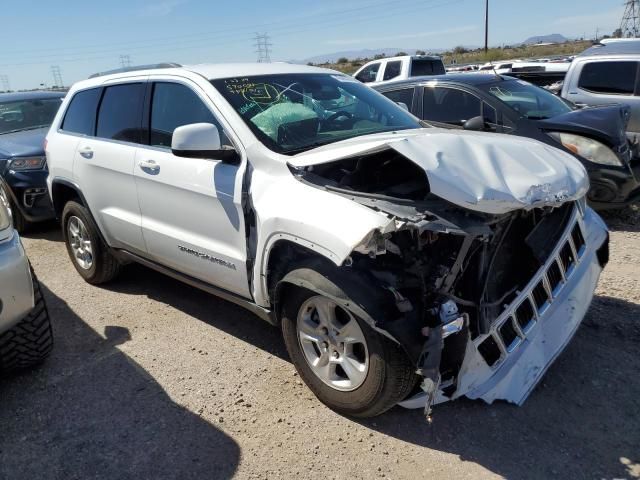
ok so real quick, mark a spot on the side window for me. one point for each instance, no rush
(404, 95)
(80, 116)
(420, 67)
(392, 70)
(119, 117)
(617, 78)
(489, 114)
(368, 74)
(450, 105)
(174, 105)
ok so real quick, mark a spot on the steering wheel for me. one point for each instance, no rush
(339, 114)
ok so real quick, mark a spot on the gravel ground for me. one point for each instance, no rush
(150, 378)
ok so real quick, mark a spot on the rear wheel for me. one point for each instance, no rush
(349, 366)
(30, 341)
(90, 256)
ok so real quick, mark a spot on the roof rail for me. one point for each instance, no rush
(136, 68)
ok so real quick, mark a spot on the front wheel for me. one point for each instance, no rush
(349, 366)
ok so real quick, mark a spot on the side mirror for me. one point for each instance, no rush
(201, 140)
(476, 124)
(403, 106)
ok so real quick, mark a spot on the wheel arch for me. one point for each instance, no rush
(63, 191)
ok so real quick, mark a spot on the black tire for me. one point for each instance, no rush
(390, 377)
(105, 267)
(30, 341)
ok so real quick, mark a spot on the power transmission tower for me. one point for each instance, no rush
(4, 81)
(125, 61)
(263, 47)
(630, 24)
(57, 76)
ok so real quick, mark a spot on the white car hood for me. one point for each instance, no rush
(490, 173)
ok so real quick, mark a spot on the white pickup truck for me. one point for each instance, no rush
(403, 264)
(378, 72)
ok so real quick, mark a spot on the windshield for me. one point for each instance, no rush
(528, 100)
(27, 114)
(291, 113)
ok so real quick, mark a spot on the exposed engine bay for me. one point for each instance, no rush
(452, 272)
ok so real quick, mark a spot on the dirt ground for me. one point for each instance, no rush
(151, 379)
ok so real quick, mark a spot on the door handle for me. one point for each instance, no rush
(86, 152)
(150, 167)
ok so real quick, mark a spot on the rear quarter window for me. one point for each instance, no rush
(421, 67)
(80, 116)
(392, 70)
(618, 78)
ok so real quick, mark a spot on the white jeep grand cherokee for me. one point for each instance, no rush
(403, 264)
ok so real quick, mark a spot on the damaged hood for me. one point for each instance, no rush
(485, 172)
(607, 123)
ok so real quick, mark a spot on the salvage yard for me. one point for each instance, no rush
(153, 379)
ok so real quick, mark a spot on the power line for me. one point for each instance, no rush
(630, 24)
(4, 81)
(384, 5)
(263, 47)
(57, 76)
(125, 61)
(287, 29)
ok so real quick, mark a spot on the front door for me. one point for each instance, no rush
(192, 218)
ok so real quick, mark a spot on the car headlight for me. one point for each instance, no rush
(5, 216)
(588, 148)
(27, 163)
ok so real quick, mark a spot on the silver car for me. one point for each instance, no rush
(25, 330)
(607, 73)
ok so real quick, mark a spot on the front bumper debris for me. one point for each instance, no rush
(509, 361)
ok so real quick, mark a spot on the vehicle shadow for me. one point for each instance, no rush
(49, 230)
(223, 315)
(92, 412)
(580, 422)
(623, 220)
(585, 408)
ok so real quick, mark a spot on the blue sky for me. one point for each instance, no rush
(83, 36)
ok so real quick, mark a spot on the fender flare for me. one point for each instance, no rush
(352, 290)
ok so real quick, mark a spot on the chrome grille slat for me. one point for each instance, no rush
(539, 286)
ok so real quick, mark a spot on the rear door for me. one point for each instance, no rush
(192, 217)
(454, 106)
(601, 82)
(103, 164)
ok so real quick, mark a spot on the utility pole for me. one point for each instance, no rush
(125, 61)
(4, 81)
(263, 47)
(57, 76)
(630, 24)
(486, 27)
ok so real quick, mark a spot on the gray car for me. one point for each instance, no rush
(607, 73)
(25, 329)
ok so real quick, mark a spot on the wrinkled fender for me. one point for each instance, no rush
(327, 224)
(355, 291)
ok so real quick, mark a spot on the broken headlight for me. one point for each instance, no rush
(588, 148)
(27, 163)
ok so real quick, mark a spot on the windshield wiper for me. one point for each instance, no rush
(309, 146)
(35, 127)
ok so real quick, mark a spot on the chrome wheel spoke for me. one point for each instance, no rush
(335, 351)
(80, 243)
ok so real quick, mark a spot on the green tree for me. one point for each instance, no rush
(343, 60)
(420, 52)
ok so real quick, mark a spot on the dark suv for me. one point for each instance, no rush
(25, 118)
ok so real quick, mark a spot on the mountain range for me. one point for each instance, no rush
(391, 51)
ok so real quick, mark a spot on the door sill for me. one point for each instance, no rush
(263, 313)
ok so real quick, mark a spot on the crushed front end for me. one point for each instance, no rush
(484, 294)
